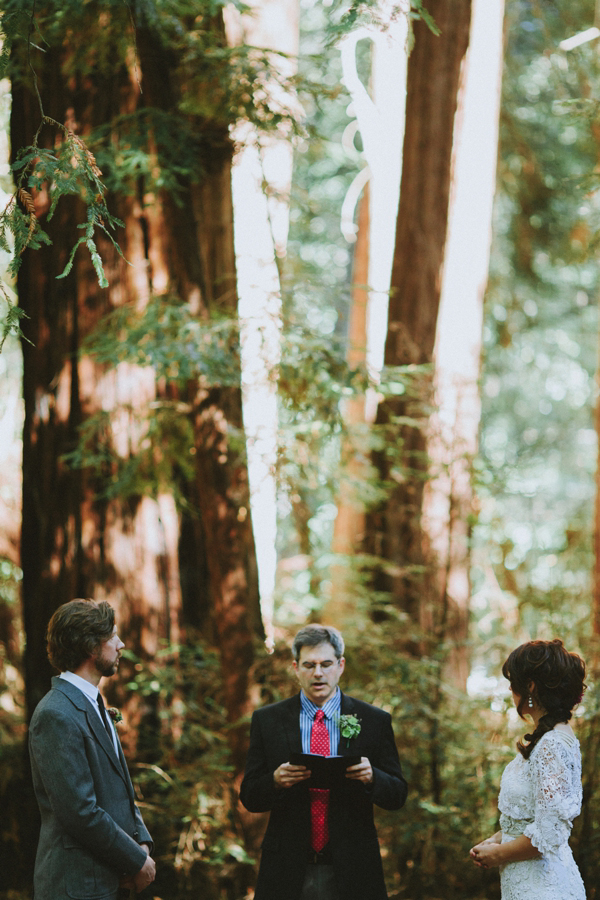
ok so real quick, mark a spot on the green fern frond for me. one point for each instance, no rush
(97, 263)
(11, 324)
(71, 259)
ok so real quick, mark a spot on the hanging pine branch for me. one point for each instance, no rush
(68, 169)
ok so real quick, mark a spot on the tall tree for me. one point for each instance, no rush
(262, 173)
(433, 80)
(156, 106)
(348, 530)
(378, 104)
(453, 428)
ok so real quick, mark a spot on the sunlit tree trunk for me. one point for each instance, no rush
(199, 254)
(434, 72)
(75, 544)
(10, 461)
(349, 525)
(379, 111)
(454, 424)
(11, 425)
(262, 176)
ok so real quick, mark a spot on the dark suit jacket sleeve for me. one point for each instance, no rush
(58, 748)
(143, 833)
(389, 788)
(258, 792)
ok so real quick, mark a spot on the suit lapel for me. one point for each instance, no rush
(347, 705)
(347, 747)
(104, 739)
(82, 703)
(291, 724)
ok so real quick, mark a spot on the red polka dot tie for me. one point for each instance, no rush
(319, 798)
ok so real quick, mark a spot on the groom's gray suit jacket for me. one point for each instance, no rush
(91, 828)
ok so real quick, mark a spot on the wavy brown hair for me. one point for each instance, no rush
(558, 679)
(75, 630)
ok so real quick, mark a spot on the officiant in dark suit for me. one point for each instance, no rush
(93, 842)
(321, 844)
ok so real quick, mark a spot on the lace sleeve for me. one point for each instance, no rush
(554, 797)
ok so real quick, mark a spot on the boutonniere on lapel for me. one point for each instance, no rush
(349, 727)
(115, 714)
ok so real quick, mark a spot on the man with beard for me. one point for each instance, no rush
(321, 842)
(93, 841)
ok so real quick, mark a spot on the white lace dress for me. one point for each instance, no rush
(540, 797)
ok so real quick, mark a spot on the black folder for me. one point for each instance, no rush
(325, 771)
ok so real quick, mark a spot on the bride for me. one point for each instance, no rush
(540, 791)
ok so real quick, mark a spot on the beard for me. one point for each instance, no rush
(104, 666)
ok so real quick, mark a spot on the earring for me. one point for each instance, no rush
(530, 702)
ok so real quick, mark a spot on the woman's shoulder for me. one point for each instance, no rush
(561, 740)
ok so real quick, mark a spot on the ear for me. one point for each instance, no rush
(342, 664)
(531, 688)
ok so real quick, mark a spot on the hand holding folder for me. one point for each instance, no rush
(325, 771)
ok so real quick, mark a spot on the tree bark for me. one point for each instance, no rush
(452, 433)
(54, 562)
(433, 80)
(348, 531)
(199, 248)
(129, 551)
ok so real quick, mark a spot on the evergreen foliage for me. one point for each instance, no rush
(72, 170)
(538, 443)
(317, 446)
(183, 771)
(346, 16)
(538, 446)
(164, 147)
(313, 377)
(69, 169)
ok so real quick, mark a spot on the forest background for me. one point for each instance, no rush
(201, 365)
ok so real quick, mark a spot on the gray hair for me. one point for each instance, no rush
(313, 635)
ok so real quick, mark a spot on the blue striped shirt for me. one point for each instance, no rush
(308, 711)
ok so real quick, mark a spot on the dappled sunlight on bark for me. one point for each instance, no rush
(261, 183)
(454, 425)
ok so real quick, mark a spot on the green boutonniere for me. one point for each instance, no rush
(349, 727)
(115, 714)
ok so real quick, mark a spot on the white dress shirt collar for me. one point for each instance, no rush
(90, 690)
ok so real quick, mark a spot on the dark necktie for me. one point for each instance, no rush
(319, 798)
(103, 716)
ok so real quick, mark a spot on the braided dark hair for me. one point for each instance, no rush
(558, 679)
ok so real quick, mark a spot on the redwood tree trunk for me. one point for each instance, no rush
(349, 527)
(433, 80)
(199, 253)
(54, 563)
(129, 551)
